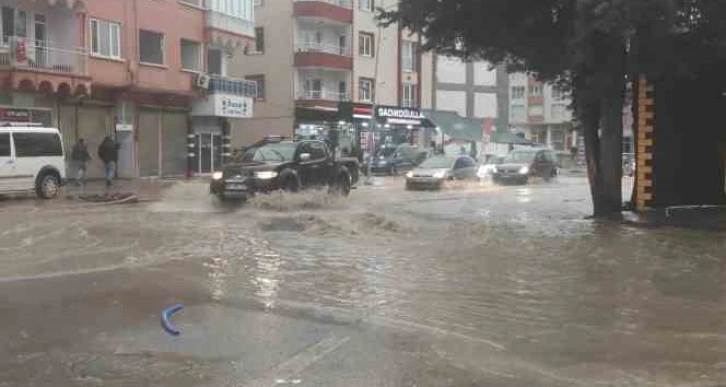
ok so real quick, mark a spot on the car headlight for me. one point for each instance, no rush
(266, 175)
(217, 176)
(409, 174)
(440, 174)
(524, 170)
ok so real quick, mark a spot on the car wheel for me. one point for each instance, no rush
(291, 184)
(48, 186)
(341, 186)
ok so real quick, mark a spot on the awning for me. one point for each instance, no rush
(461, 128)
(455, 126)
(502, 137)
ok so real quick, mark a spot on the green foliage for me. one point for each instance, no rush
(555, 38)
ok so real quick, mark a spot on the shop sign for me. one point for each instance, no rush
(399, 115)
(230, 106)
(14, 115)
(398, 112)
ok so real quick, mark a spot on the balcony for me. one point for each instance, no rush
(339, 11)
(323, 56)
(44, 67)
(322, 95)
(228, 31)
(318, 99)
(224, 85)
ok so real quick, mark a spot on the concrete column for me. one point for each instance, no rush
(191, 150)
(549, 136)
(226, 141)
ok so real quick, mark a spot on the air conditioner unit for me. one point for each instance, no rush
(201, 81)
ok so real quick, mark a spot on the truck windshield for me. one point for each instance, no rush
(519, 157)
(271, 153)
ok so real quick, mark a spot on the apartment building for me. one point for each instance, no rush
(323, 64)
(136, 70)
(473, 89)
(541, 112)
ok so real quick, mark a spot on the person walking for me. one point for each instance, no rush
(79, 158)
(108, 153)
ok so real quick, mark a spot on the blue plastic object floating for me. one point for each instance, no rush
(166, 319)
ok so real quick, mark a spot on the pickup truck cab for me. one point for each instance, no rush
(285, 165)
(31, 158)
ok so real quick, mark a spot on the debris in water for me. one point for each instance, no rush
(166, 322)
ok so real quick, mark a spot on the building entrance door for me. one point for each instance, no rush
(209, 151)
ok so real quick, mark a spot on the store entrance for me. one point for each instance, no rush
(208, 148)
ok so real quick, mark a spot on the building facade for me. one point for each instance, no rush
(541, 112)
(132, 69)
(473, 90)
(311, 56)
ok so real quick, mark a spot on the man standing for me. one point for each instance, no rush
(108, 152)
(79, 158)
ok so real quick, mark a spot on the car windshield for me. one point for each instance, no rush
(519, 158)
(271, 153)
(387, 151)
(438, 162)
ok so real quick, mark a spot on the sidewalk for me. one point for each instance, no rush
(699, 218)
(146, 189)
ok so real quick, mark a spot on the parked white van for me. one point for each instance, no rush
(31, 158)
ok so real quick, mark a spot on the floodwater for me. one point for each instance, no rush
(475, 285)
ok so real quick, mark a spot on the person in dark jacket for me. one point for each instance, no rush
(108, 153)
(79, 158)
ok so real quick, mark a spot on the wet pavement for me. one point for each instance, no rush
(475, 285)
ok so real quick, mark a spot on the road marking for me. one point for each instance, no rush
(300, 362)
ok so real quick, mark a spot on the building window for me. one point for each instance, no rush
(260, 79)
(260, 39)
(214, 61)
(535, 90)
(408, 56)
(343, 90)
(365, 5)
(519, 113)
(518, 92)
(151, 47)
(559, 112)
(558, 94)
(365, 44)
(191, 55)
(365, 89)
(409, 93)
(105, 38)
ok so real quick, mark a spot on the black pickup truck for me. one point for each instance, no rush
(285, 165)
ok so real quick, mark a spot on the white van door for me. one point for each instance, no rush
(7, 164)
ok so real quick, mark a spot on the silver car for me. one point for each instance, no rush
(433, 172)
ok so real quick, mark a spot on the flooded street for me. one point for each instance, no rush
(475, 285)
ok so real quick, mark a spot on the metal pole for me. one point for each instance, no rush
(373, 122)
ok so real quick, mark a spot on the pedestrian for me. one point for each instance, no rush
(108, 153)
(79, 158)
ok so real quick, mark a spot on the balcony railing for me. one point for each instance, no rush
(348, 4)
(323, 48)
(224, 85)
(224, 22)
(42, 57)
(323, 95)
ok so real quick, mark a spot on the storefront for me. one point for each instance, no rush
(372, 127)
(212, 118)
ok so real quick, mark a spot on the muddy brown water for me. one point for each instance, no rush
(512, 269)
